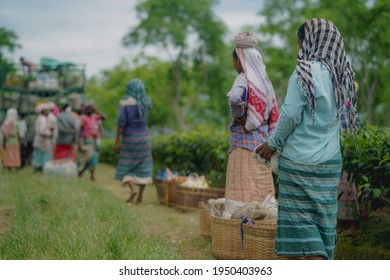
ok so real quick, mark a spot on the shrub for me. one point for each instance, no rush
(107, 153)
(367, 157)
(201, 152)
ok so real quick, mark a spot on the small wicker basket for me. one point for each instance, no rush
(259, 240)
(187, 198)
(226, 238)
(204, 221)
(166, 190)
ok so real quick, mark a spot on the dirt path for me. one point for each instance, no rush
(181, 228)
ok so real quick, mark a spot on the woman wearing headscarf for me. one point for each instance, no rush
(12, 134)
(43, 138)
(135, 166)
(307, 135)
(254, 111)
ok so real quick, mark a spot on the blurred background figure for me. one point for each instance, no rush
(43, 138)
(27, 66)
(67, 130)
(89, 142)
(52, 118)
(13, 131)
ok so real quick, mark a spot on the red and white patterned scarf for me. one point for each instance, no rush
(262, 106)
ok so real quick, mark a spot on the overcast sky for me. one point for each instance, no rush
(90, 31)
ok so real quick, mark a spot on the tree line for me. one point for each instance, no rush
(189, 81)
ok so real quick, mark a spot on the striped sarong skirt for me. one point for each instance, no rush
(307, 209)
(135, 157)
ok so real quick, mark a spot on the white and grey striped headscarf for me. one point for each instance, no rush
(323, 42)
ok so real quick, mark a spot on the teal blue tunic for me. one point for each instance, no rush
(295, 136)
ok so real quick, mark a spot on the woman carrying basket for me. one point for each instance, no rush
(307, 135)
(254, 111)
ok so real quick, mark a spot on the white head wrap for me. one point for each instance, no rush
(262, 107)
(41, 107)
(12, 115)
(245, 40)
(51, 105)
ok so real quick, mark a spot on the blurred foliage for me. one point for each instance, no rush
(190, 87)
(191, 36)
(108, 89)
(366, 156)
(8, 42)
(202, 108)
(106, 152)
(202, 152)
(371, 242)
(364, 26)
(189, 77)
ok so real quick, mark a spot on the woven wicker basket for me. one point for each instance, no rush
(259, 240)
(187, 199)
(226, 239)
(166, 191)
(204, 221)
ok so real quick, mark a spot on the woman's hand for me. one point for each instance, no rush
(265, 151)
(117, 147)
(241, 121)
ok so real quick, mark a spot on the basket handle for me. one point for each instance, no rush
(212, 208)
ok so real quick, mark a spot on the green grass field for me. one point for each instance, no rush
(70, 219)
(45, 218)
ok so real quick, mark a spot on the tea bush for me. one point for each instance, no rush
(367, 157)
(201, 152)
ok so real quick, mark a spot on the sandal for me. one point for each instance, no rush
(132, 195)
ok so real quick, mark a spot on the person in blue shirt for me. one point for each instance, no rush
(307, 136)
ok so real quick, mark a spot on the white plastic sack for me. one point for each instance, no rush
(196, 181)
(61, 168)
